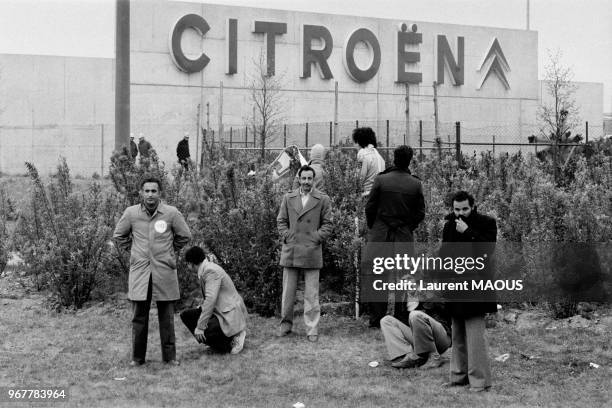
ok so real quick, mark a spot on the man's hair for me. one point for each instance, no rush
(151, 179)
(462, 196)
(306, 168)
(364, 136)
(402, 155)
(195, 255)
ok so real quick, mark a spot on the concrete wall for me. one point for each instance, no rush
(165, 99)
(56, 106)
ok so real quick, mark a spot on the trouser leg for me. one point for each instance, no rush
(140, 326)
(479, 370)
(290, 277)
(429, 334)
(165, 316)
(190, 317)
(215, 337)
(312, 309)
(459, 356)
(397, 335)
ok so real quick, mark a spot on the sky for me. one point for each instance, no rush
(581, 29)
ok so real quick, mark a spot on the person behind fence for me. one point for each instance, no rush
(421, 338)
(220, 321)
(182, 151)
(133, 148)
(370, 161)
(154, 233)
(394, 209)
(467, 233)
(317, 162)
(144, 147)
(304, 223)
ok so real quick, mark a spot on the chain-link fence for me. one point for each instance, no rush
(88, 148)
(424, 135)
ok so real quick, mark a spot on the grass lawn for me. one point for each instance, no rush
(88, 351)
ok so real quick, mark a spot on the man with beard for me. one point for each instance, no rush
(469, 234)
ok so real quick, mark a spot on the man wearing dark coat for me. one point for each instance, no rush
(394, 209)
(470, 234)
(144, 147)
(133, 148)
(182, 151)
(304, 222)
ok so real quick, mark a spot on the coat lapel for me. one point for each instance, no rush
(311, 203)
(295, 201)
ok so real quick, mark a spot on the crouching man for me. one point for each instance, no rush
(220, 322)
(419, 341)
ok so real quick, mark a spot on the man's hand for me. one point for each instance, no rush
(460, 225)
(199, 335)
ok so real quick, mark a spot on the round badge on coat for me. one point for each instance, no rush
(161, 226)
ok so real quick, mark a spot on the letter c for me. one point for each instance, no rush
(178, 56)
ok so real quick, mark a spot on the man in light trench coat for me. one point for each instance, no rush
(304, 222)
(154, 233)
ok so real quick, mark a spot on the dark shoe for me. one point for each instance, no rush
(173, 363)
(313, 338)
(410, 360)
(283, 332)
(451, 384)
(433, 361)
(396, 359)
(135, 363)
(481, 389)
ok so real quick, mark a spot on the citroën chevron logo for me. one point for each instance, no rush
(495, 63)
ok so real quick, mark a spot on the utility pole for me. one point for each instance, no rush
(122, 74)
(527, 14)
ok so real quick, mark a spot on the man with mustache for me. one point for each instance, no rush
(304, 222)
(468, 233)
(154, 233)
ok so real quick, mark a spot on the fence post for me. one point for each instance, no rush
(306, 136)
(458, 142)
(102, 151)
(356, 123)
(493, 145)
(331, 135)
(231, 141)
(285, 135)
(586, 133)
(420, 139)
(387, 139)
(246, 136)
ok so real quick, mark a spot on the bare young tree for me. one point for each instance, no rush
(558, 113)
(268, 103)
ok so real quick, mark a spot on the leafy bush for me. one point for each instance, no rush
(64, 238)
(6, 213)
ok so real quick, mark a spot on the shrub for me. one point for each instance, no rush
(64, 238)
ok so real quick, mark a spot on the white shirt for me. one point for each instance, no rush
(304, 197)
